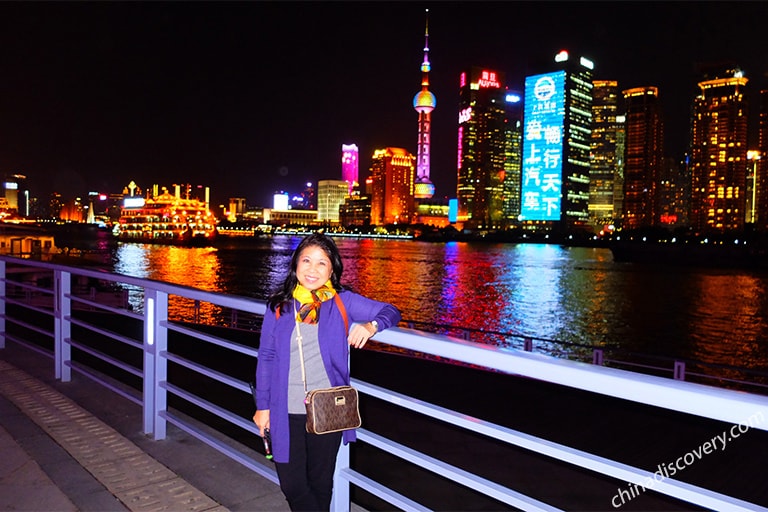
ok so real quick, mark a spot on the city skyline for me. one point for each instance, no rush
(249, 98)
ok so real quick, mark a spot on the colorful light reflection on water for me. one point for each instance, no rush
(577, 295)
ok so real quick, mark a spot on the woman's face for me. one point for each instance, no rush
(313, 268)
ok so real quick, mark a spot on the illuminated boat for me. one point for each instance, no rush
(166, 218)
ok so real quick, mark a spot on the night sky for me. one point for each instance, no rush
(252, 97)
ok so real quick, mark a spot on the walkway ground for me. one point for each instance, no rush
(72, 446)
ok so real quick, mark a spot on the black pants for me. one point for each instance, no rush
(307, 478)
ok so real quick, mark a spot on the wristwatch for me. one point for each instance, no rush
(375, 325)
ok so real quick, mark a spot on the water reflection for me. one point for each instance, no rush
(542, 291)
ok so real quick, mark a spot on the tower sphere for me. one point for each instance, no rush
(424, 101)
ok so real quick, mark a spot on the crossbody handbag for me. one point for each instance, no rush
(329, 409)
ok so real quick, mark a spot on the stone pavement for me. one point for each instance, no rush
(76, 446)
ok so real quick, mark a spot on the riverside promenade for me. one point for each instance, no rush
(78, 447)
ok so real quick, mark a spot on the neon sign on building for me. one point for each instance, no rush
(543, 147)
(488, 79)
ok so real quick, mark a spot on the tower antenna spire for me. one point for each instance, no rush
(424, 102)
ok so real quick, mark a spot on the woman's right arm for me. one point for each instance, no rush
(264, 368)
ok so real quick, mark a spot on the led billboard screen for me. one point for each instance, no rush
(543, 146)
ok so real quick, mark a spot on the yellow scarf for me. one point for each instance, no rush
(310, 301)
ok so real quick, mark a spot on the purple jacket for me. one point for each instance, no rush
(274, 357)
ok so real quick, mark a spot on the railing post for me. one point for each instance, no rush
(2, 303)
(62, 324)
(341, 495)
(679, 370)
(597, 356)
(155, 363)
(528, 344)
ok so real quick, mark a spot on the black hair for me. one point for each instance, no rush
(285, 292)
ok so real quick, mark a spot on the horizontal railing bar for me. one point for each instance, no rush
(27, 305)
(92, 376)
(26, 325)
(28, 286)
(236, 347)
(31, 346)
(687, 397)
(104, 307)
(266, 472)
(578, 458)
(204, 370)
(460, 476)
(381, 491)
(104, 357)
(210, 407)
(106, 332)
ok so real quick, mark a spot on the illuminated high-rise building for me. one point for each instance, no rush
(330, 196)
(14, 187)
(424, 103)
(644, 158)
(392, 183)
(719, 154)
(606, 164)
(513, 156)
(482, 147)
(761, 165)
(349, 165)
(557, 135)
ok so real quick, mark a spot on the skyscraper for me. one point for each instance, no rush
(513, 156)
(556, 145)
(483, 141)
(761, 223)
(605, 168)
(330, 196)
(719, 154)
(392, 183)
(350, 165)
(424, 102)
(644, 157)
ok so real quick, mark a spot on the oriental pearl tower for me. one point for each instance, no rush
(424, 102)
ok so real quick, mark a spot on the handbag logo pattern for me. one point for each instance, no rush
(332, 410)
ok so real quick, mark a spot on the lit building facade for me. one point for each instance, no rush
(236, 208)
(643, 159)
(331, 194)
(557, 138)
(350, 165)
(606, 166)
(16, 193)
(482, 146)
(674, 193)
(392, 186)
(719, 154)
(424, 103)
(761, 165)
(513, 157)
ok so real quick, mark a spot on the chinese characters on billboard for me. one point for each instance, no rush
(543, 146)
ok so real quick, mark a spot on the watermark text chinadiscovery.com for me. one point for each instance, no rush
(670, 469)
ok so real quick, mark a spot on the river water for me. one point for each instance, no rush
(547, 292)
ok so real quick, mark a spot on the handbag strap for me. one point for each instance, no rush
(299, 338)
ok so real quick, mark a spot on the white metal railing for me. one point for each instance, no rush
(45, 317)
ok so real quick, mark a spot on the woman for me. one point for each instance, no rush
(305, 306)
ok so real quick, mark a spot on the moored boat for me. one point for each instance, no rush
(166, 218)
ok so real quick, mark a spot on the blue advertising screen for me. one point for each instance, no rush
(453, 210)
(543, 146)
